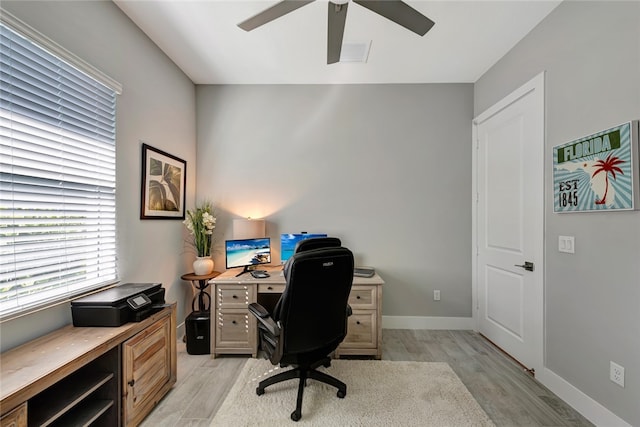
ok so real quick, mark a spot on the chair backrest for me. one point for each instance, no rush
(317, 243)
(313, 306)
(310, 244)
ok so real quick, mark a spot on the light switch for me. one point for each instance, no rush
(566, 244)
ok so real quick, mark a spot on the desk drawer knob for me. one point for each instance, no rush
(270, 288)
(234, 296)
(358, 297)
(234, 322)
(357, 322)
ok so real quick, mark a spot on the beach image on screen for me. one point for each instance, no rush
(288, 243)
(248, 252)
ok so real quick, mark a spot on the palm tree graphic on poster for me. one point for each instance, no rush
(608, 166)
(596, 173)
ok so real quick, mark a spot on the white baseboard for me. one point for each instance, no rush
(426, 322)
(589, 408)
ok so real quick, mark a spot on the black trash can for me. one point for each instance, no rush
(198, 332)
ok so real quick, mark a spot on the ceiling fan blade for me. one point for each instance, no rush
(274, 12)
(335, 30)
(400, 13)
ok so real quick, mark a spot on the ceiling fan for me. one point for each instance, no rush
(395, 10)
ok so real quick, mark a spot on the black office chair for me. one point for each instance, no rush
(310, 319)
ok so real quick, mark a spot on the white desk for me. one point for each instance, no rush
(234, 329)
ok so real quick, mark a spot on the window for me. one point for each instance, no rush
(57, 177)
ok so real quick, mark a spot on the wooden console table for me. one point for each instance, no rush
(234, 330)
(77, 375)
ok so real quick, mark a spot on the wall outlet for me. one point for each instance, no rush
(616, 373)
(436, 295)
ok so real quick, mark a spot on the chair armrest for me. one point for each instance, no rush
(258, 310)
(264, 318)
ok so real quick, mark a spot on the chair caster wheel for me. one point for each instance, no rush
(341, 394)
(259, 391)
(295, 416)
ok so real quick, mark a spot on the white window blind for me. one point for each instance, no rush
(57, 178)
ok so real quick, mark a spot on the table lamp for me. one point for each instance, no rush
(248, 228)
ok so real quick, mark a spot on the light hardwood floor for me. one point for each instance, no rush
(510, 396)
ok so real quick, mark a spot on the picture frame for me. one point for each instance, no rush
(164, 183)
(598, 172)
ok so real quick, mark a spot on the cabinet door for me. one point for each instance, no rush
(15, 418)
(148, 372)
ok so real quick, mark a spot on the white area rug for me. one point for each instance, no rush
(379, 393)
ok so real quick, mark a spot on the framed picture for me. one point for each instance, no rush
(598, 172)
(163, 185)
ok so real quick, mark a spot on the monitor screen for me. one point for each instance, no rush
(247, 252)
(288, 243)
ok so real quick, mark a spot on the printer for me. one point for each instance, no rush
(129, 302)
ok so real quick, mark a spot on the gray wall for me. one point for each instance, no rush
(591, 54)
(387, 168)
(157, 106)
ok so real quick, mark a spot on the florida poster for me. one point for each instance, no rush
(597, 172)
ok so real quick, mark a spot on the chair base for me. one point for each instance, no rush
(303, 372)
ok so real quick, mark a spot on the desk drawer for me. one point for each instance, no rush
(363, 297)
(234, 296)
(233, 330)
(270, 288)
(362, 330)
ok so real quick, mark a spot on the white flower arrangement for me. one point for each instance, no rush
(200, 224)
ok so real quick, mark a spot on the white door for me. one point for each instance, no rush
(509, 223)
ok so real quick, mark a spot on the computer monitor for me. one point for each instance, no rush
(247, 253)
(288, 243)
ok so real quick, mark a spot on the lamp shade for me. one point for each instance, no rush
(247, 228)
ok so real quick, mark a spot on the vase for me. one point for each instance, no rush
(203, 265)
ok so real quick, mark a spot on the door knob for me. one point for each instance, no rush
(527, 265)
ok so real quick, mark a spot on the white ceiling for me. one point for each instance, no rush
(203, 39)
